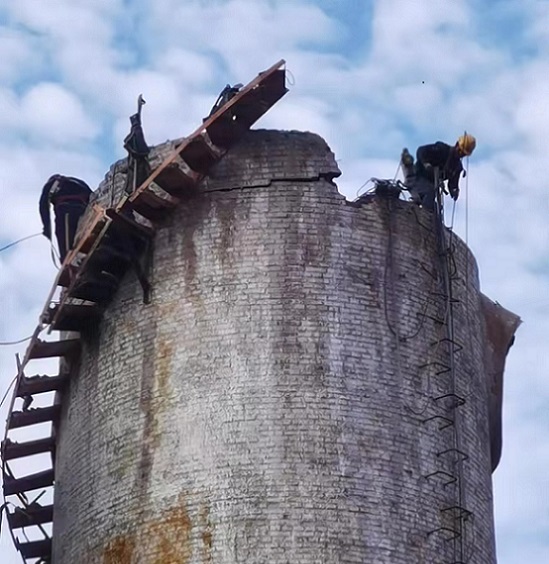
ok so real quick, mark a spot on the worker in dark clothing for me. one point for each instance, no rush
(437, 156)
(138, 151)
(69, 197)
(227, 94)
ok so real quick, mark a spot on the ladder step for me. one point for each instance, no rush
(176, 181)
(200, 155)
(35, 549)
(49, 349)
(91, 235)
(34, 514)
(28, 386)
(244, 111)
(152, 206)
(11, 450)
(64, 278)
(98, 288)
(36, 481)
(74, 317)
(19, 419)
(225, 131)
(126, 223)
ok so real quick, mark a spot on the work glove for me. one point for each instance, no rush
(406, 158)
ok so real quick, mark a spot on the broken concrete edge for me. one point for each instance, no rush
(500, 326)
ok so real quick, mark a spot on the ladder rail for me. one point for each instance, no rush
(200, 129)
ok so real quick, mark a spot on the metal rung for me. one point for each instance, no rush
(448, 422)
(463, 513)
(445, 367)
(34, 549)
(455, 534)
(464, 455)
(459, 401)
(450, 478)
(445, 296)
(36, 481)
(458, 346)
(33, 514)
(431, 273)
(11, 449)
(440, 321)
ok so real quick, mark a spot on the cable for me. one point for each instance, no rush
(292, 81)
(19, 241)
(8, 391)
(396, 171)
(467, 204)
(54, 255)
(363, 185)
(10, 343)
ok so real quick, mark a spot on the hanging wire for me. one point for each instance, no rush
(19, 241)
(363, 185)
(396, 171)
(467, 204)
(9, 343)
(55, 259)
(8, 391)
(291, 82)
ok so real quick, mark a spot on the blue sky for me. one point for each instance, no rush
(370, 77)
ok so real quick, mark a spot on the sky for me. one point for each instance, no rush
(371, 77)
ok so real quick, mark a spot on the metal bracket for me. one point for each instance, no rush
(458, 346)
(455, 534)
(458, 400)
(450, 478)
(464, 455)
(445, 367)
(448, 422)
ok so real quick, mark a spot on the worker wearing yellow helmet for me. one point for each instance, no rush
(421, 178)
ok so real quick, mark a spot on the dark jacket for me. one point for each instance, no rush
(135, 142)
(70, 191)
(443, 156)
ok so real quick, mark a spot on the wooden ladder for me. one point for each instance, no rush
(89, 278)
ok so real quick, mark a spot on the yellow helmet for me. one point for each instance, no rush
(466, 143)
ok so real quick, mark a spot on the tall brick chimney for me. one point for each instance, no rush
(283, 398)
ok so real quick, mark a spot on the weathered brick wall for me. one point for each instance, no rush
(261, 408)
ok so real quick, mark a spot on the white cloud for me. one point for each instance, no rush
(71, 72)
(51, 112)
(18, 51)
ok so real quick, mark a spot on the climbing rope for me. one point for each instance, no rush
(290, 77)
(8, 391)
(10, 343)
(19, 241)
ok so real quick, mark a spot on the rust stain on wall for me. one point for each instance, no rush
(119, 551)
(170, 537)
(225, 210)
(165, 540)
(206, 535)
(155, 396)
